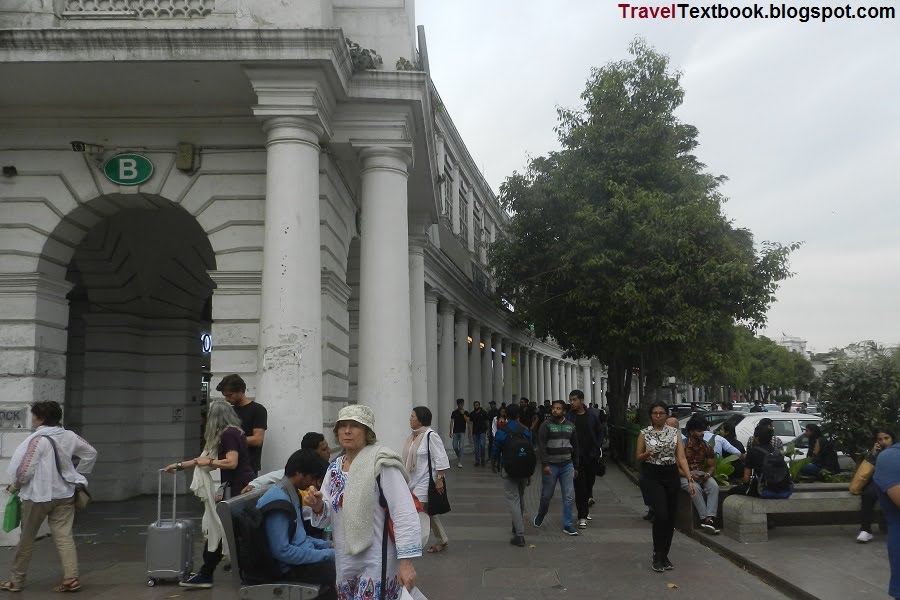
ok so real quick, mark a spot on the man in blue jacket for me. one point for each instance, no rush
(300, 557)
(513, 487)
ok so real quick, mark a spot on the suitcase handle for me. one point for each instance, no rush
(159, 495)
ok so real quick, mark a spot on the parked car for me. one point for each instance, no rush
(741, 406)
(713, 418)
(787, 425)
(773, 407)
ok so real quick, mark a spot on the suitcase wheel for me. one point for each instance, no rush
(151, 582)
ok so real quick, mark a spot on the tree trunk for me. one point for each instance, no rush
(653, 391)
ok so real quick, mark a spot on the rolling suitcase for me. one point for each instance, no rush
(170, 543)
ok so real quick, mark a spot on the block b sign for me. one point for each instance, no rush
(128, 169)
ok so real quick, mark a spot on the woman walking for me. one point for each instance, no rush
(661, 451)
(424, 445)
(225, 448)
(45, 475)
(362, 489)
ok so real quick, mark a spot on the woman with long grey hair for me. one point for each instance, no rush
(224, 448)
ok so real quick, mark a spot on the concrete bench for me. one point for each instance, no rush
(227, 510)
(746, 519)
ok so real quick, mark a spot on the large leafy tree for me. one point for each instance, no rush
(618, 246)
(859, 391)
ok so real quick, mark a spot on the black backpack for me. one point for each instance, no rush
(518, 454)
(774, 475)
(253, 555)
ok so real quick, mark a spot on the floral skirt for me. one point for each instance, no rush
(366, 588)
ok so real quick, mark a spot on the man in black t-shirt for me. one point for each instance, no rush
(253, 416)
(459, 420)
(480, 421)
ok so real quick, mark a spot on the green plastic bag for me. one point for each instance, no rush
(13, 513)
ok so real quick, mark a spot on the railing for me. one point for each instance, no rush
(138, 9)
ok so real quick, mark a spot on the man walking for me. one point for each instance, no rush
(253, 416)
(557, 450)
(514, 442)
(590, 445)
(479, 420)
(459, 419)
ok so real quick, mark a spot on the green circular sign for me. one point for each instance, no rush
(128, 169)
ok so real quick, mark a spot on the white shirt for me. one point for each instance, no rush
(33, 465)
(418, 479)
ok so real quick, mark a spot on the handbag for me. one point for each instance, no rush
(82, 496)
(862, 476)
(12, 516)
(601, 465)
(438, 503)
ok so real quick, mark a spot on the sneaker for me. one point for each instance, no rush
(459, 465)
(198, 581)
(538, 520)
(667, 564)
(582, 523)
(709, 525)
(569, 530)
(591, 501)
(658, 565)
(518, 540)
(864, 537)
(589, 518)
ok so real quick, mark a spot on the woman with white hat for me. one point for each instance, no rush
(365, 497)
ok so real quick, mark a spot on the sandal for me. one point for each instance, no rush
(70, 585)
(438, 548)
(9, 586)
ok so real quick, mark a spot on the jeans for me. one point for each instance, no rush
(811, 469)
(565, 474)
(479, 441)
(709, 506)
(583, 484)
(869, 498)
(514, 489)
(459, 439)
(662, 482)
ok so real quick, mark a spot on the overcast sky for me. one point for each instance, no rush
(803, 118)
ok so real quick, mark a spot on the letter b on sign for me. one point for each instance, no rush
(128, 169)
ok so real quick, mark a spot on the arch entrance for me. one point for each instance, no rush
(135, 362)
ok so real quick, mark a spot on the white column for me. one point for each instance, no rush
(446, 374)
(587, 385)
(534, 378)
(385, 374)
(507, 371)
(569, 384)
(474, 366)
(539, 393)
(290, 323)
(554, 379)
(487, 385)
(525, 372)
(498, 370)
(548, 388)
(565, 382)
(431, 351)
(418, 341)
(461, 361)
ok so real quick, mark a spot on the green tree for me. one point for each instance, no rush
(859, 391)
(618, 246)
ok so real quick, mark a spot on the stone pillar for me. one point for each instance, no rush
(587, 384)
(525, 372)
(554, 379)
(535, 378)
(565, 381)
(446, 373)
(474, 366)
(418, 341)
(487, 384)
(548, 388)
(431, 352)
(461, 362)
(539, 392)
(505, 364)
(570, 379)
(290, 323)
(385, 374)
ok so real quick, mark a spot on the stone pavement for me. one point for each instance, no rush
(611, 559)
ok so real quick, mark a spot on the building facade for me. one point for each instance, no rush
(199, 188)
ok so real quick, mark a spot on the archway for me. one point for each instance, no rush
(141, 299)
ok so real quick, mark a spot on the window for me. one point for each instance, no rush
(463, 215)
(477, 229)
(446, 190)
(784, 428)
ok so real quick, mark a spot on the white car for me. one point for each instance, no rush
(787, 425)
(800, 444)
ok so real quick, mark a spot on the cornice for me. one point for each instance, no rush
(40, 284)
(334, 286)
(238, 283)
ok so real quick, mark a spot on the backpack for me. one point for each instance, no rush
(774, 475)
(253, 555)
(518, 454)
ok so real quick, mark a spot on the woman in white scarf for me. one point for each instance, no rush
(415, 459)
(349, 502)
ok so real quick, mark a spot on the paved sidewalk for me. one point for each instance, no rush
(611, 559)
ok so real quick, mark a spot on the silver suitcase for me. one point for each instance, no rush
(170, 543)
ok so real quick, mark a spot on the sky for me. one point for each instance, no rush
(803, 119)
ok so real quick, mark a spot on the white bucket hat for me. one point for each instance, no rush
(359, 413)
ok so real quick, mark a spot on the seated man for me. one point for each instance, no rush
(702, 461)
(770, 476)
(300, 557)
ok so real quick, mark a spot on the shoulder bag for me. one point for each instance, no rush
(862, 476)
(82, 496)
(438, 503)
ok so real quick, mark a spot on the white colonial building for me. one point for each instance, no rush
(193, 188)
